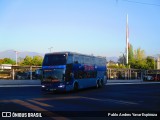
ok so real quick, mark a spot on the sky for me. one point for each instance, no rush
(95, 27)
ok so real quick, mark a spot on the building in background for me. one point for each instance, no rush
(5, 66)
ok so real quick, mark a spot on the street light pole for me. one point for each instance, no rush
(16, 56)
(50, 49)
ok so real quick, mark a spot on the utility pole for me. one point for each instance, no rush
(127, 39)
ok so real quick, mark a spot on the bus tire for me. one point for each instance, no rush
(102, 83)
(98, 84)
(75, 87)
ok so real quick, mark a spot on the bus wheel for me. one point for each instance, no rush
(76, 87)
(102, 83)
(98, 84)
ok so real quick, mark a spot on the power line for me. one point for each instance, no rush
(143, 3)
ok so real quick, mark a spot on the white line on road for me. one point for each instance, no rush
(89, 98)
(112, 100)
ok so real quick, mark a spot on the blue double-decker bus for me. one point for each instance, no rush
(67, 71)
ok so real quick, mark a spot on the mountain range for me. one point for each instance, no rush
(12, 54)
(114, 59)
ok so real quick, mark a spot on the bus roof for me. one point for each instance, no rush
(74, 53)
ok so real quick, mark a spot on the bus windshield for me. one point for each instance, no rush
(54, 59)
(54, 75)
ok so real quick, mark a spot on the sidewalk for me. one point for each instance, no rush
(19, 83)
(117, 82)
(124, 81)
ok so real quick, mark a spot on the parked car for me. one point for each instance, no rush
(148, 78)
(38, 73)
(33, 75)
(21, 75)
(25, 75)
(157, 77)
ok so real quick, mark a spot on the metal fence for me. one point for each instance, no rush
(21, 73)
(35, 72)
(133, 74)
(124, 74)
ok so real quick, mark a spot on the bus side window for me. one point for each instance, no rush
(80, 74)
(95, 74)
(76, 74)
(68, 76)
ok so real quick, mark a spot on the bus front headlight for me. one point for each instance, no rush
(61, 86)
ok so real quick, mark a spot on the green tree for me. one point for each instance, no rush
(130, 53)
(37, 60)
(20, 60)
(1, 61)
(8, 61)
(138, 60)
(27, 61)
(139, 54)
(150, 62)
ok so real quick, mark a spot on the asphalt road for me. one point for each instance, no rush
(104, 103)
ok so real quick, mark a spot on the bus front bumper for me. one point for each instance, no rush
(50, 88)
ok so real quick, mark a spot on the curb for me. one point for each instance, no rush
(20, 86)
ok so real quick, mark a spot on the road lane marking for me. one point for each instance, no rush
(57, 98)
(111, 100)
(37, 108)
(40, 103)
(77, 97)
